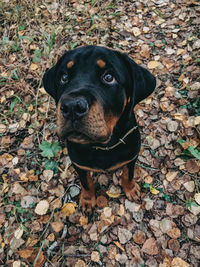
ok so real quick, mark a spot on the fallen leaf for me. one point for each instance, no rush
(69, 208)
(178, 262)
(197, 198)
(80, 263)
(33, 66)
(124, 235)
(170, 176)
(18, 233)
(42, 207)
(139, 237)
(150, 247)
(174, 233)
(102, 202)
(152, 65)
(154, 191)
(114, 192)
(192, 166)
(189, 186)
(174, 245)
(26, 253)
(57, 226)
(136, 31)
(83, 220)
(51, 237)
(95, 256)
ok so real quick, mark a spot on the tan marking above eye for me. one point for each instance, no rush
(70, 64)
(101, 63)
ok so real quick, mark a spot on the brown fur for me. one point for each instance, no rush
(87, 197)
(70, 64)
(94, 126)
(131, 188)
(101, 63)
(113, 168)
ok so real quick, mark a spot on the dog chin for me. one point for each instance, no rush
(82, 138)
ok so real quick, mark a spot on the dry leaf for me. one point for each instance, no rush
(152, 65)
(26, 253)
(69, 208)
(136, 31)
(95, 256)
(114, 192)
(154, 191)
(178, 262)
(33, 66)
(80, 263)
(57, 226)
(18, 233)
(102, 202)
(170, 176)
(192, 166)
(197, 198)
(42, 207)
(179, 116)
(83, 220)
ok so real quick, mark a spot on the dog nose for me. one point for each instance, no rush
(74, 108)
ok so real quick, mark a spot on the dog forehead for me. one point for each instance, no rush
(94, 55)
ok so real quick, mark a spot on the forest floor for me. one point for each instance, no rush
(40, 221)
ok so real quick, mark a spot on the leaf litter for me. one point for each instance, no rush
(40, 222)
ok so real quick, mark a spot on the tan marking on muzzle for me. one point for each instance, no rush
(101, 63)
(70, 64)
(111, 121)
(94, 121)
(60, 120)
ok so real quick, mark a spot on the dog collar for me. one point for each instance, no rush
(121, 141)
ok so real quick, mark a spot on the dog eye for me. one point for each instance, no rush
(64, 78)
(108, 78)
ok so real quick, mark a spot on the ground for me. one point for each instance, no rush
(40, 222)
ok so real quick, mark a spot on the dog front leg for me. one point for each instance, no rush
(130, 187)
(87, 198)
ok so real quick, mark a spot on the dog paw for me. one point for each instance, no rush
(132, 191)
(87, 201)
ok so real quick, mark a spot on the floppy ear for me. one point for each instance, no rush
(49, 81)
(143, 82)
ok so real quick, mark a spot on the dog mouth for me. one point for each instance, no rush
(84, 138)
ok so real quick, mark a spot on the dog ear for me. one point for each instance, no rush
(49, 81)
(142, 82)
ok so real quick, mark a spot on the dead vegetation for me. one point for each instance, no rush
(40, 223)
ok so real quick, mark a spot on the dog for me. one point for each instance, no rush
(95, 90)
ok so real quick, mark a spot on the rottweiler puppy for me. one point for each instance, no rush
(95, 90)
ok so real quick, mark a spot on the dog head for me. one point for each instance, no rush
(92, 86)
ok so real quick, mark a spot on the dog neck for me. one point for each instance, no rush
(121, 141)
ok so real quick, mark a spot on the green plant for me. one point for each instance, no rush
(190, 203)
(49, 150)
(190, 151)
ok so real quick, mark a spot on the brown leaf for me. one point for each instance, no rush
(139, 237)
(178, 262)
(174, 245)
(145, 51)
(191, 166)
(42, 207)
(174, 233)
(26, 253)
(152, 65)
(2, 219)
(102, 202)
(150, 247)
(57, 226)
